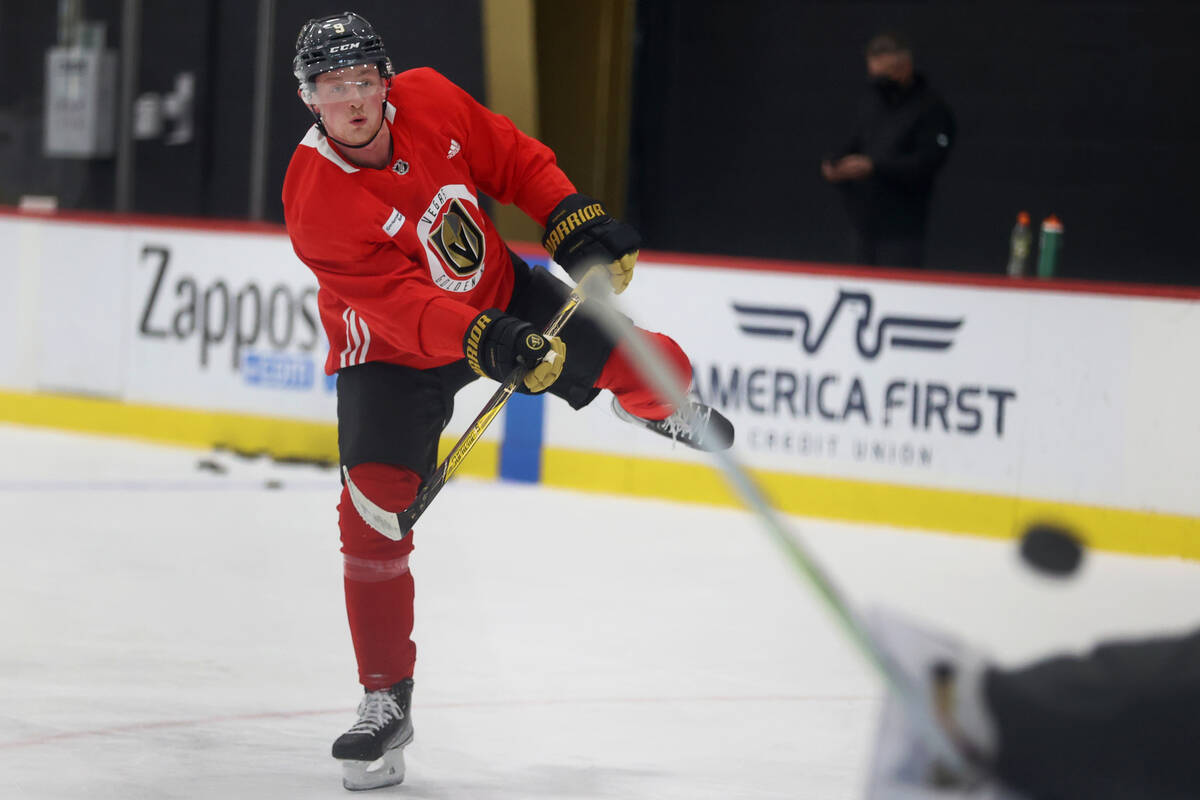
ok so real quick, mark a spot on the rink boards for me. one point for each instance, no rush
(934, 401)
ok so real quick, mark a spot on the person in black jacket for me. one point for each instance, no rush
(886, 169)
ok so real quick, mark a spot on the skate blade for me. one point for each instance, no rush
(388, 770)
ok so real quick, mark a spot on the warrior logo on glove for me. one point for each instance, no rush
(580, 234)
(497, 343)
(573, 220)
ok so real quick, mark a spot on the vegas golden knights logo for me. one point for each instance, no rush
(458, 240)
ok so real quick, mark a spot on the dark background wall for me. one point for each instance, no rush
(194, 177)
(215, 40)
(27, 30)
(1083, 109)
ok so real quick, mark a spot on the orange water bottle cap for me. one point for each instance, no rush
(1023, 218)
(1052, 223)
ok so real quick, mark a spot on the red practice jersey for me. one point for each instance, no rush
(404, 256)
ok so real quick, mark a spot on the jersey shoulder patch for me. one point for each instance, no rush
(394, 223)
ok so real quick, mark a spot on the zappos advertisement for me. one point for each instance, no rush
(225, 320)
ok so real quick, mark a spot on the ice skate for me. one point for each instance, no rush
(372, 751)
(698, 426)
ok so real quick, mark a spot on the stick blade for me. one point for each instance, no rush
(381, 520)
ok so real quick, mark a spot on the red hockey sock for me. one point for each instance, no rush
(379, 587)
(633, 393)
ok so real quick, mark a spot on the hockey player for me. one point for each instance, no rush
(419, 296)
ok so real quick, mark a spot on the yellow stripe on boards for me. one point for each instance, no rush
(204, 429)
(973, 513)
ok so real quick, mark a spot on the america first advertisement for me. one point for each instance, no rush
(1034, 392)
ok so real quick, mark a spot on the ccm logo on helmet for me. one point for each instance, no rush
(341, 48)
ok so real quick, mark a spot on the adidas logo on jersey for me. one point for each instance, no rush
(454, 148)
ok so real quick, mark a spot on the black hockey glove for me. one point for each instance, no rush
(497, 343)
(581, 234)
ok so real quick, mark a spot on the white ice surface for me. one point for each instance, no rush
(171, 632)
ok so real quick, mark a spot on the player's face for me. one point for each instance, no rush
(350, 102)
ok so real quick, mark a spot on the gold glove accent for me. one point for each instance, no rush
(546, 371)
(621, 271)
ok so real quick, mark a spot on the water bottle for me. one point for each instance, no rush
(1020, 246)
(1049, 247)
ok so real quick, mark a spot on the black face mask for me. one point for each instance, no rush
(888, 86)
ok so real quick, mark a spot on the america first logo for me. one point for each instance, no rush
(453, 240)
(948, 402)
(871, 334)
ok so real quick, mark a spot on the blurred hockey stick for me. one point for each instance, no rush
(657, 371)
(396, 525)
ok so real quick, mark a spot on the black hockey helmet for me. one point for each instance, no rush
(336, 41)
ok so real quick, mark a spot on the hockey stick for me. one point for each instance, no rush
(396, 525)
(655, 370)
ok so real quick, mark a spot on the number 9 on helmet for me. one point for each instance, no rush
(334, 42)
